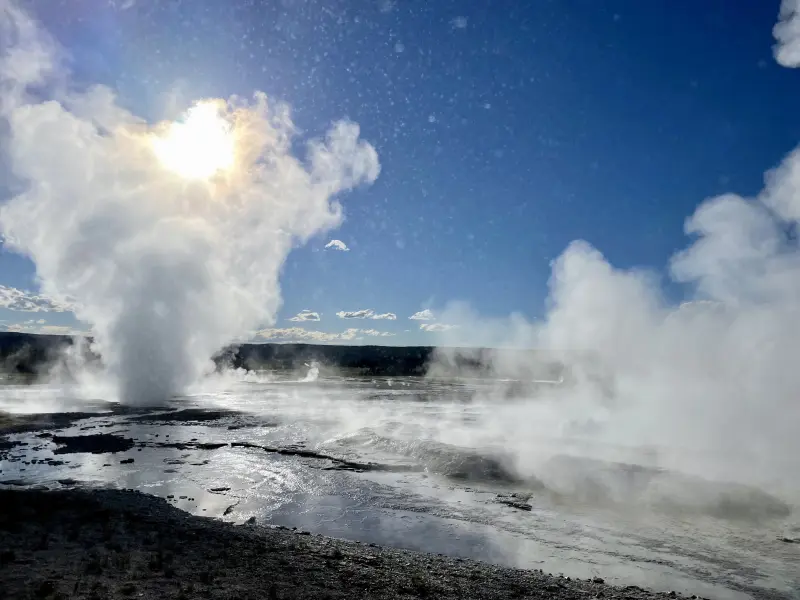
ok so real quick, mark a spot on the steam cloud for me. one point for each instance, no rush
(166, 271)
(711, 383)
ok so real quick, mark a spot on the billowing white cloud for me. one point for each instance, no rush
(172, 248)
(376, 333)
(337, 245)
(24, 301)
(423, 315)
(366, 313)
(787, 33)
(305, 315)
(386, 316)
(434, 327)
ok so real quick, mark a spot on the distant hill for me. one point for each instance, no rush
(29, 355)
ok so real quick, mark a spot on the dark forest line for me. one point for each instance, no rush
(32, 354)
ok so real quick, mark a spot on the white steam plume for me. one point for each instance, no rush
(164, 268)
(711, 383)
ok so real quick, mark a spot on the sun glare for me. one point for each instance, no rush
(198, 146)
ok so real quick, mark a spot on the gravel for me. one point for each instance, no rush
(97, 544)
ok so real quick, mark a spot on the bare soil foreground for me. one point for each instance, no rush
(124, 544)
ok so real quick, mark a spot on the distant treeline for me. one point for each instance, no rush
(364, 360)
(31, 355)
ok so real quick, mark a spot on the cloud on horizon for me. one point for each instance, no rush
(15, 299)
(306, 315)
(337, 245)
(376, 333)
(436, 327)
(423, 315)
(41, 327)
(299, 334)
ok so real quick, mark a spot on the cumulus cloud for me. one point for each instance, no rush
(337, 245)
(12, 298)
(376, 333)
(166, 266)
(305, 315)
(296, 334)
(299, 334)
(385, 316)
(366, 313)
(423, 315)
(435, 327)
(787, 34)
(41, 327)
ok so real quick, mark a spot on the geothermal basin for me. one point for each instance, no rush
(413, 463)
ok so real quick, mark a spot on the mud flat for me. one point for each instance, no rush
(124, 544)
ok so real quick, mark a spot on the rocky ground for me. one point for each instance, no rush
(97, 544)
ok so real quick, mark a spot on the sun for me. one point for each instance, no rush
(198, 146)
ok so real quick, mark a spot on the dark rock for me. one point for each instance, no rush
(99, 443)
(126, 461)
(8, 444)
(514, 504)
(45, 589)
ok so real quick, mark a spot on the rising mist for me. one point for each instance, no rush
(165, 270)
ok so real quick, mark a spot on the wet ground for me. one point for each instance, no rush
(387, 462)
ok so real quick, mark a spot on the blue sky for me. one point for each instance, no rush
(503, 133)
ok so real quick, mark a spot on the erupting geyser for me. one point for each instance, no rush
(168, 239)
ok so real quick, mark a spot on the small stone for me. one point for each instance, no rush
(126, 461)
(598, 580)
